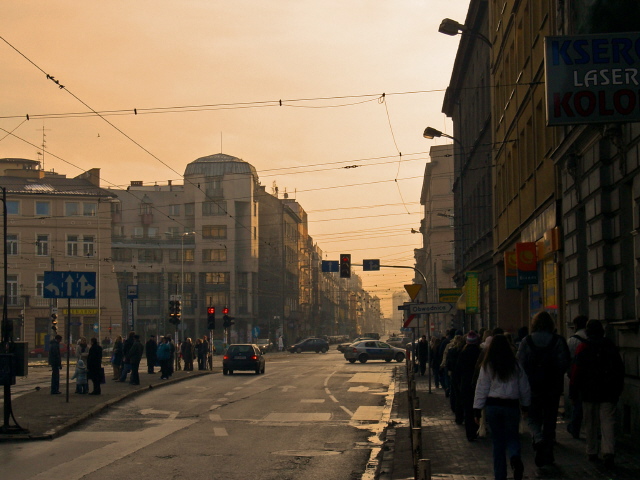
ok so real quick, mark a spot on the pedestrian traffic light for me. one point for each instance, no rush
(225, 311)
(178, 309)
(345, 265)
(211, 318)
(54, 322)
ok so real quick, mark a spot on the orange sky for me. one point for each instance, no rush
(121, 55)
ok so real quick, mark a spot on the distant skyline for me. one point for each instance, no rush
(294, 88)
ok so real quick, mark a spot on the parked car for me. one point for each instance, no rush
(343, 346)
(243, 356)
(264, 344)
(400, 342)
(373, 350)
(375, 336)
(318, 345)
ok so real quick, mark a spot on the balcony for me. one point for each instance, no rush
(146, 218)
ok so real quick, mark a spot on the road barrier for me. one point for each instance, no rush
(421, 466)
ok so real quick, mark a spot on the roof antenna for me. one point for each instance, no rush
(220, 142)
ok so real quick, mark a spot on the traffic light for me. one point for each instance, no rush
(178, 309)
(174, 312)
(345, 265)
(172, 308)
(227, 321)
(54, 322)
(225, 311)
(211, 318)
(21, 318)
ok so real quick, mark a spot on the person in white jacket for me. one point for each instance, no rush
(503, 390)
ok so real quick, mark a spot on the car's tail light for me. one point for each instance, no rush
(226, 357)
(355, 350)
(254, 357)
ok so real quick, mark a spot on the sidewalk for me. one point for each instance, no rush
(48, 416)
(454, 458)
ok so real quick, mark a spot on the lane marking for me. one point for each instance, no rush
(220, 432)
(312, 400)
(214, 417)
(214, 406)
(334, 399)
(349, 412)
(297, 417)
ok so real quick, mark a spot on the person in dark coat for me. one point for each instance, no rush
(135, 357)
(118, 356)
(126, 358)
(598, 378)
(466, 374)
(150, 351)
(94, 366)
(186, 349)
(55, 361)
(172, 359)
(423, 354)
(545, 357)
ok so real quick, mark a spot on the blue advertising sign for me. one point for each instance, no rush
(592, 78)
(69, 285)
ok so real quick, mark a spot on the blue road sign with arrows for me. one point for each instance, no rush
(369, 265)
(330, 266)
(69, 285)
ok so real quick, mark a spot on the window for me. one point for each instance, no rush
(214, 231)
(145, 208)
(214, 255)
(121, 254)
(189, 209)
(153, 232)
(148, 255)
(39, 285)
(213, 208)
(174, 209)
(12, 292)
(72, 245)
(43, 209)
(42, 245)
(189, 255)
(138, 232)
(216, 278)
(116, 207)
(88, 246)
(13, 207)
(173, 232)
(89, 209)
(71, 209)
(12, 244)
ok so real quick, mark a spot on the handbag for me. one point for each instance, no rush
(103, 379)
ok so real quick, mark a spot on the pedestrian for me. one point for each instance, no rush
(503, 390)
(150, 351)
(544, 355)
(82, 384)
(205, 352)
(453, 352)
(200, 354)
(82, 348)
(135, 357)
(172, 353)
(117, 358)
(598, 378)
(575, 422)
(466, 372)
(442, 372)
(423, 354)
(164, 355)
(55, 361)
(434, 347)
(186, 349)
(126, 357)
(280, 343)
(94, 366)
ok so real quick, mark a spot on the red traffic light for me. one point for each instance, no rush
(211, 310)
(225, 310)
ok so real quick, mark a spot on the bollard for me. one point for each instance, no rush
(417, 418)
(416, 445)
(424, 469)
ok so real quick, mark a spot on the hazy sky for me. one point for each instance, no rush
(207, 76)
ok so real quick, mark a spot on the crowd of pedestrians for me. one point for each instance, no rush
(125, 359)
(496, 384)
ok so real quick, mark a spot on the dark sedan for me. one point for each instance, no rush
(245, 356)
(318, 345)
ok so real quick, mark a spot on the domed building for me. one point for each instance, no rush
(196, 243)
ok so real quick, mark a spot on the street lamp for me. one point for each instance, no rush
(453, 28)
(182, 235)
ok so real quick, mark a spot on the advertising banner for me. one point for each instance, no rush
(510, 270)
(472, 292)
(592, 78)
(527, 263)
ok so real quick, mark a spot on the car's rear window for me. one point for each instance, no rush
(234, 349)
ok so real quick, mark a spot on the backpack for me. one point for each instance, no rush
(601, 372)
(164, 352)
(541, 366)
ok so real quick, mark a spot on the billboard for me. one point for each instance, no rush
(592, 78)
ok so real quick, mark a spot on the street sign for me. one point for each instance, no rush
(255, 331)
(368, 265)
(411, 322)
(413, 290)
(96, 327)
(132, 292)
(430, 308)
(329, 266)
(69, 285)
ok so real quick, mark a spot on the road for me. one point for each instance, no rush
(311, 416)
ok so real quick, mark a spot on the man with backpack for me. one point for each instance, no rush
(598, 378)
(575, 423)
(545, 358)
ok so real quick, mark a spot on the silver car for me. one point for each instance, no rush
(373, 350)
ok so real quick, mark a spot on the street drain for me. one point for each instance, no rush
(307, 453)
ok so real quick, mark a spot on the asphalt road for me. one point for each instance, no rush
(311, 416)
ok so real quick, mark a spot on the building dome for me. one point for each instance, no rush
(217, 165)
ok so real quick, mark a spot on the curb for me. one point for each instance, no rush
(74, 422)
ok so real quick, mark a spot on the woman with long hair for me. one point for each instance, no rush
(503, 390)
(116, 358)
